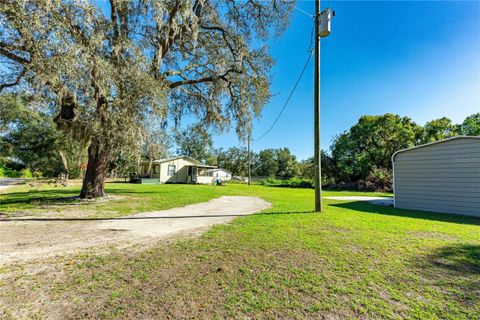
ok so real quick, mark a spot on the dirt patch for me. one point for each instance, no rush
(432, 235)
(15, 214)
(169, 290)
(32, 238)
(60, 207)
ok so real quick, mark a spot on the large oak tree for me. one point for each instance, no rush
(113, 68)
(370, 143)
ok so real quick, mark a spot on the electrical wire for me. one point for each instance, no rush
(304, 12)
(288, 98)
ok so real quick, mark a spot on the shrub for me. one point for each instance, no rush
(10, 173)
(379, 180)
(270, 182)
(299, 183)
(26, 173)
(10, 169)
(37, 174)
(291, 183)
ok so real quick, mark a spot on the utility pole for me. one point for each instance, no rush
(322, 29)
(249, 160)
(316, 115)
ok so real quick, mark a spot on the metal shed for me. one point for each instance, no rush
(442, 176)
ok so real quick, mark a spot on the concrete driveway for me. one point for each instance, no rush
(26, 238)
(8, 182)
(381, 201)
(201, 215)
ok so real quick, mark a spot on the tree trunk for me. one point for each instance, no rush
(150, 168)
(64, 163)
(97, 168)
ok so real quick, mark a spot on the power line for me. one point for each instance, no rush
(304, 12)
(289, 96)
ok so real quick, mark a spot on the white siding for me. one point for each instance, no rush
(204, 179)
(181, 171)
(222, 174)
(440, 177)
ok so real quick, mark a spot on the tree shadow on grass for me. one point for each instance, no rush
(39, 197)
(132, 191)
(51, 197)
(57, 194)
(459, 259)
(390, 211)
(454, 270)
(285, 212)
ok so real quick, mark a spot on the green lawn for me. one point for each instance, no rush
(355, 260)
(126, 198)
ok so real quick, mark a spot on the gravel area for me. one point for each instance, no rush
(32, 238)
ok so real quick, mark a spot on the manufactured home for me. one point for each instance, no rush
(222, 174)
(180, 169)
(442, 176)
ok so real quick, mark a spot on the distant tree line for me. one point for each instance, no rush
(360, 157)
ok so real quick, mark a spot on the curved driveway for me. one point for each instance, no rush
(32, 238)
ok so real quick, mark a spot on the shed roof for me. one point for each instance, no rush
(176, 158)
(435, 142)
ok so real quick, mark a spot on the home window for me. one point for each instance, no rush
(192, 171)
(171, 169)
(156, 169)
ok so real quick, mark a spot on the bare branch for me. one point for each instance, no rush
(12, 84)
(204, 79)
(224, 35)
(10, 55)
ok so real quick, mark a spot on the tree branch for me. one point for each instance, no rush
(12, 84)
(204, 79)
(12, 56)
(164, 45)
(224, 35)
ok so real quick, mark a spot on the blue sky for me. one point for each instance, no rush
(419, 59)
(416, 59)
